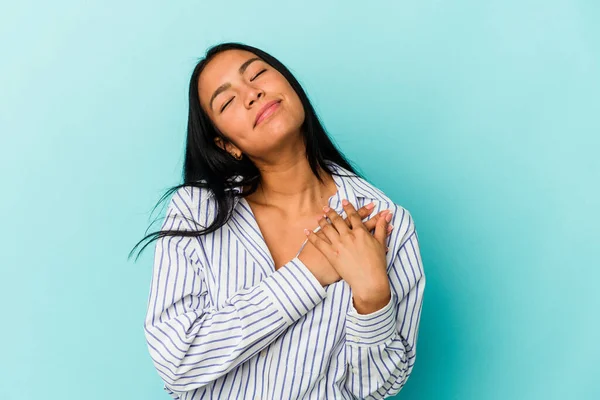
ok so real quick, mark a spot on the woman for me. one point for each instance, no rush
(245, 301)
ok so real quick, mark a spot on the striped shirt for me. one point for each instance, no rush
(223, 323)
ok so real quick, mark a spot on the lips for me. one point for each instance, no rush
(266, 111)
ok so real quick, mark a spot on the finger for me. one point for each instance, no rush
(355, 220)
(337, 221)
(322, 236)
(381, 228)
(320, 244)
(326, 209)
(322, 221)
(329, 230)
(319, 232)
(370, 223)
(365, 211)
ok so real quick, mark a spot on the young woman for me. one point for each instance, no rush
(279, 272)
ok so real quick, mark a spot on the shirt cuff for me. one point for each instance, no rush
(371, 329)
(294, 290)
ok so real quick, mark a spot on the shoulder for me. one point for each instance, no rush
(190, 208)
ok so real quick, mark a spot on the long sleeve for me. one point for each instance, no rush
(192, 343)
(381, 346)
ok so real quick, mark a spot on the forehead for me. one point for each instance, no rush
(220, 69)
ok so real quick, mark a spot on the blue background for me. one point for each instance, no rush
(482, 118)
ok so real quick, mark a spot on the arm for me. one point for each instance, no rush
(381, 346)
(190, 342)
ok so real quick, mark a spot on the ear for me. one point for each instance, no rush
(229, 147)
(219, 142)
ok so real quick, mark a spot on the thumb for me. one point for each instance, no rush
(381, 227)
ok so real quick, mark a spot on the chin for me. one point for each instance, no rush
(284, 132)
(275, 125)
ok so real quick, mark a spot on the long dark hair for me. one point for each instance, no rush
(208, 166)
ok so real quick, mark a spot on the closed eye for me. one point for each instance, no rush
(258, 74)
(226, 104)
(255, 76)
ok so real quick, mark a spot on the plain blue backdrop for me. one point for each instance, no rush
(482, 118)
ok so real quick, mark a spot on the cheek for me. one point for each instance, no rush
(297, 110)
(301, 115)
(234, 126)
(295, 105)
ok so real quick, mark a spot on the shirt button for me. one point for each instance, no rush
(263, 353)
(356, 339)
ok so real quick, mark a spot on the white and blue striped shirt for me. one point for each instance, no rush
(223, 323)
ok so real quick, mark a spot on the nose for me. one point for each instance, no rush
(254, 95)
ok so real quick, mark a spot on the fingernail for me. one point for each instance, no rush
(390, 227)
(370, 206)
(388, 217)
(326, 209)
(306, 232)
(345, 202)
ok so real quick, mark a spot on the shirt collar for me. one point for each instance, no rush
(347, 187)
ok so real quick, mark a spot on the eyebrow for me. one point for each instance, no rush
(227, 85)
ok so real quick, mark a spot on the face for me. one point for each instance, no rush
(233, 88)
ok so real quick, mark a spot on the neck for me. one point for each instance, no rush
(291, 186)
